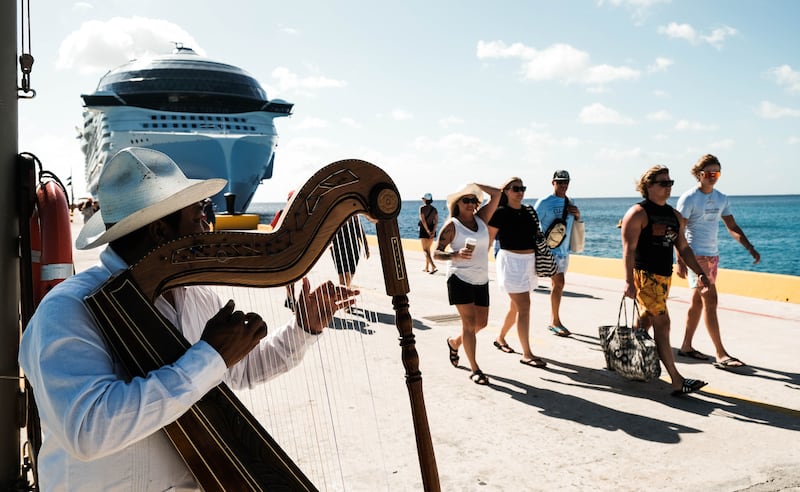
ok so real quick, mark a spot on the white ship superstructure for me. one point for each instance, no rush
(212, 119)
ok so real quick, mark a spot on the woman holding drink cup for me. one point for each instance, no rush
(467, 236)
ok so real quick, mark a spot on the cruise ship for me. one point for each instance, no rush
(213, 119)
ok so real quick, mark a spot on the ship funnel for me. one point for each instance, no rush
(230, 202)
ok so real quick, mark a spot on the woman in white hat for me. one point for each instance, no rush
(467, 236)
(515, 225)
(428, 223)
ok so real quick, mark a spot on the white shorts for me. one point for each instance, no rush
(516, 273)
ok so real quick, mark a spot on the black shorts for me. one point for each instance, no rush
(423, 234)
(460, 292)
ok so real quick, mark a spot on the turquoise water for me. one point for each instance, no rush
(768, 222)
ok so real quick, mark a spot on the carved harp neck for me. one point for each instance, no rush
(309, 222)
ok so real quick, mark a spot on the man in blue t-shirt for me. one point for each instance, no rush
(701, 209)
(549, 209)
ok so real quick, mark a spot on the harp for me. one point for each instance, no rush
(224, 446)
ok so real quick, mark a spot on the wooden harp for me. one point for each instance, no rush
(223, 445)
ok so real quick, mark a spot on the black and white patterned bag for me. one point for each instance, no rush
(629, 351)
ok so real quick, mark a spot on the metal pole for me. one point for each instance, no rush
(9, 257)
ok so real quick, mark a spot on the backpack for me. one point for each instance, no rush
(557, 231)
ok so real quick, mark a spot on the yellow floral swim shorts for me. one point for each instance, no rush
(651, 292)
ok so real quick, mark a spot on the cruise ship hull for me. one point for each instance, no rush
(243, 157)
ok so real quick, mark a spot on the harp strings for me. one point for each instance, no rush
(325, 412)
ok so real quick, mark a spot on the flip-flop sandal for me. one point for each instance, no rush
(453, 354)
(693, 354)
(559, 331)
(503, 347)
(729, 363)
(478, 377)
(689, 386)
(534, 362)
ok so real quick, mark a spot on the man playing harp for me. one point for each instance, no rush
(101, 428)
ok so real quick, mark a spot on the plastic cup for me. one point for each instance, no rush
(470, 243)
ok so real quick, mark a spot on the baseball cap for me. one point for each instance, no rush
(561, 175)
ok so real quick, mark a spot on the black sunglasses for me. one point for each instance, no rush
(467, 200)
(666, 183)
(517, 188)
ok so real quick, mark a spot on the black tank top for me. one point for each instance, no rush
(654, 250)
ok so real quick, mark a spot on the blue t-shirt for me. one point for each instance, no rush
(703, 211)
(549, 209)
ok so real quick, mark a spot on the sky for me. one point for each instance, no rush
(442, 93)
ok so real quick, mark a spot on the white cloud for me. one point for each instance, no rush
(793, 140)
(688, 33)
(772, 111)
(785, 76)
(660, 65)
(401, 115)
(98, 46)
(289, 30)
(598, 114)
(498, 49)
(82, 6)
(719, 35)
(679, 31)
(288, 80)
(686, 125)
(560, 62)
(660, 93)
(662, 115)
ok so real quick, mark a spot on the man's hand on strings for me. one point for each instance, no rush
(233, 333)
(315, 308)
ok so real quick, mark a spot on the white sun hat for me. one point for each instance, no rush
(136, 187)
(467, 189)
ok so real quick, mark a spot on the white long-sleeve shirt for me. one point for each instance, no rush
(101, 432)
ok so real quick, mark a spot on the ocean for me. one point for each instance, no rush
(768, 222)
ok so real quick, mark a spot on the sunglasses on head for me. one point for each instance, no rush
(711, 174)
(665, 183)
(517, 188)
(467, 200)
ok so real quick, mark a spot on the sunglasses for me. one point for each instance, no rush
(666, 183)
(467, 201)
(711, 174)
(517, 188)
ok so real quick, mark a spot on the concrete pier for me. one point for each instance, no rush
(576, 426)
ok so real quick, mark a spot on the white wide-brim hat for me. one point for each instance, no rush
(467, 189)
(136, 187)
